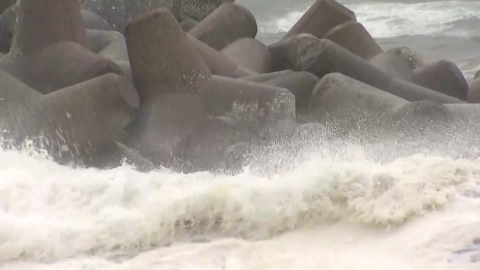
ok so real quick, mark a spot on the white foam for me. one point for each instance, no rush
(384, 20)
(329, 208)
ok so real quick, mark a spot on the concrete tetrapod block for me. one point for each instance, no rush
(70, 123)
(218, 63)
(350, 104)
(270, 108)
(77, 120)
(413, 58)
(97, 40)
(419, 119)
(57, 66)
(467, 115)
(92, 20)
(161, 57)
(41, 23)
(260, 78)
(444, 77)
(117, 50)
(225, 25)
(162, 125)
(304, 52)
(455, 125)
(203, 149)
(394, 64)
(125, 68)
(16, 108)
(413, 92)
(354, 37)
(301, 84)
(117, 154)
(170, 76)
(250, 53)
(322, 56)
(226, 97)
(322, 16)
(474, 91)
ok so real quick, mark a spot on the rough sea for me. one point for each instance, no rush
(315, 204)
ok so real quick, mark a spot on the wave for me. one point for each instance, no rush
(386, 20)
(50, 212)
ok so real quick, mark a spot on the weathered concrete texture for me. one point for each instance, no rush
(92, 20)
(125, 68)
(97, 40)
(322, 16)
(170, 77)
(78, 119)
(270, 109)
(250, 53)
(203, 149)
(218, 63)
(394, 64)
(474, 91)
(413, 92)
(444, 77)
(225, 25)
(188, 24)
(438, 122)
(116, 50)
(322, 56)
(41, 23)
(260, 78)
(304, 52)
(162, 125)
(70, 123)
(415, 116)
(235, 98)
(161, 56)
(413, 58)
(354, 37)
(350, 104)
(301, 84)
(58, 66)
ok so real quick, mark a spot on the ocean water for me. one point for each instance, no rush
(317, 203)
(435, 29)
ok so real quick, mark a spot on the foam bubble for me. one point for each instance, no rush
(50, 213)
